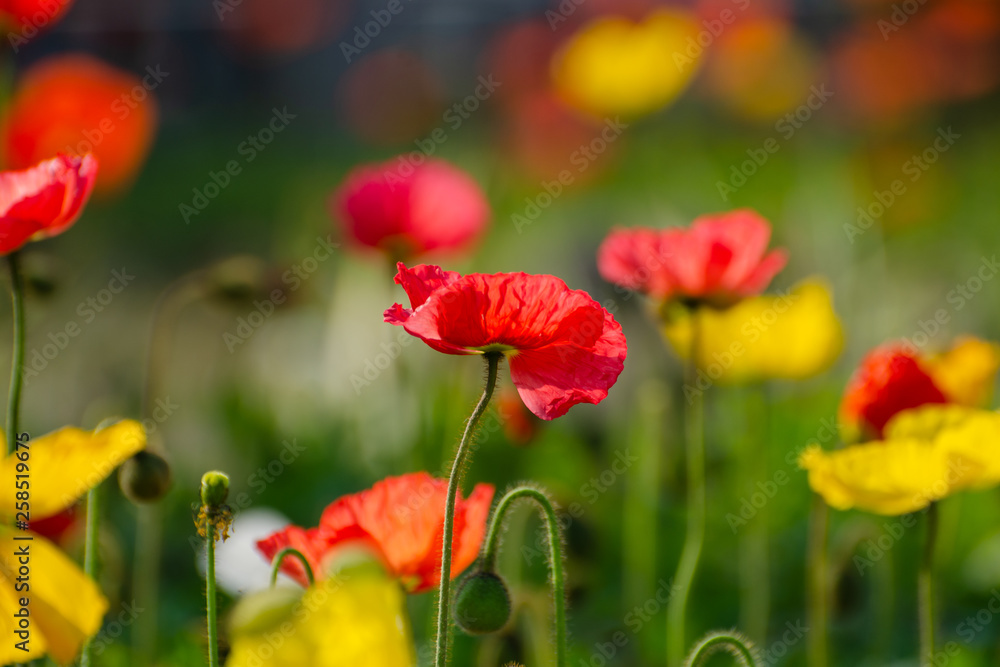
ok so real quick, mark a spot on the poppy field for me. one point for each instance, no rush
(412, 333)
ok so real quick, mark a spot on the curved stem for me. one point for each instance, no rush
(925, 588)
(280, 556)
(90, 554)
(817, 583)
(211, 611)
(454, 480)
(736, 645)
(17, 354)
(492, 545)
(695, 535)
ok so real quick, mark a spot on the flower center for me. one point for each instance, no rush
(507, 350)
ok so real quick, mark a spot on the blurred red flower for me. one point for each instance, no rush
(720, 259)
(402, 520)
(44, 200)
(562, 346)
(77, 104)
(408, 209)
(29, 16)
(889, 380)
(898, 376)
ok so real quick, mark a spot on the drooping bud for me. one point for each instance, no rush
(482, 604)
(144, 478)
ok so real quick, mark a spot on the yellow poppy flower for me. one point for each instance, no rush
(356, 617)
(614, 66)
(929, 453)
(66, 607)
(966, 372)
(786, 336)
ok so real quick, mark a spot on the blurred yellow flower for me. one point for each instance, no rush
(966, 372)
(354, 618)
(66, 606)
(929, 453)
(790, 336)
(614, 66)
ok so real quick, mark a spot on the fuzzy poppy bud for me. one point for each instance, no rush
(482, 604)
(145, 477)
(214, 488)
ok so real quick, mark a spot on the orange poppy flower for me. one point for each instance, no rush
(895, 377)
(76, 104)
(402, 520)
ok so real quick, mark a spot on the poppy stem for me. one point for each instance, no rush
(280, 556)
(454, 480)
(818, 583)
(694, 538)
(491, 547)
(90, 554)
(210, 593)
(214, 514)
(925, 588)
(733, 643)
(17, 356)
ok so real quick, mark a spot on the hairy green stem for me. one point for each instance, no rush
(211, 610)
(17, 353)
(694, 538)
(492, 545)
(290, 551)
(925, 588)
(454, 481)
(90, 555)
(738, 646)
(818, 583)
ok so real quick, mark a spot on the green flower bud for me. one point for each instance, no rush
(482, 604)
(144, 478)
(214, 488)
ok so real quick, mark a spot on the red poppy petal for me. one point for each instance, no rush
(411, 208)
(44, 200)
(309, 542)
(763, 273)
(744, 232)
(719, 258)
(516, 310)
(446, 207)
(80, 175)
(554, 378)
(371, 209)
(888, 381)
(638, 259)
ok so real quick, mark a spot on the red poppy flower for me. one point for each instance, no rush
(44, 200)
(402, 520)
(719, 259)
(77, 104)
(562, 346)
(889, 380)
(409, 210)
